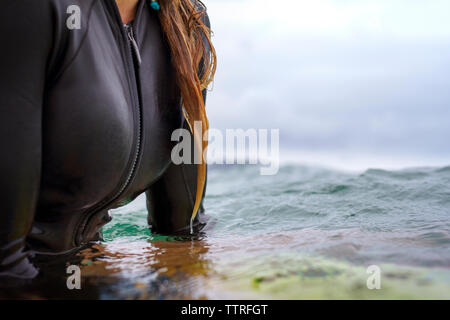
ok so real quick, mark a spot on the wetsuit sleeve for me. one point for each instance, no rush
(26, 35)
(171, 199)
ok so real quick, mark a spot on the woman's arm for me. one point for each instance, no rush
(170, 201)
(26, 29)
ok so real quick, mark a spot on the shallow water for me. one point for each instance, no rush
(304, 233)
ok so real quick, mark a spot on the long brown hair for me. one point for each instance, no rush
(184, 23)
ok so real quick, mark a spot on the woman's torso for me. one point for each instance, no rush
(107, 122)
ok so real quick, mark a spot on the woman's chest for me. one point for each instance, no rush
(108, 120)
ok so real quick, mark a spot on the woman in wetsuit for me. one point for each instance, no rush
(90, 93)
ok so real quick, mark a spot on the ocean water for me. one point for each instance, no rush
(303, 233)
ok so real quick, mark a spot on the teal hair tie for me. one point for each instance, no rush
(155, 5)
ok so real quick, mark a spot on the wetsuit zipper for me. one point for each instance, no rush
(136, 61)
(133, 60)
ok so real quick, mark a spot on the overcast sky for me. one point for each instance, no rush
(368, 77)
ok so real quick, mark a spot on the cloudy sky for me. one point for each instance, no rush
(341, 79)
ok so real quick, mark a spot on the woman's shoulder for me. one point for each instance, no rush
(58, 14)
(45, 28)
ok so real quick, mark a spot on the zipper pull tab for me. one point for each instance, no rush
(134, 44)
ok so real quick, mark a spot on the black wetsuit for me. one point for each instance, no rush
(86, 120)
